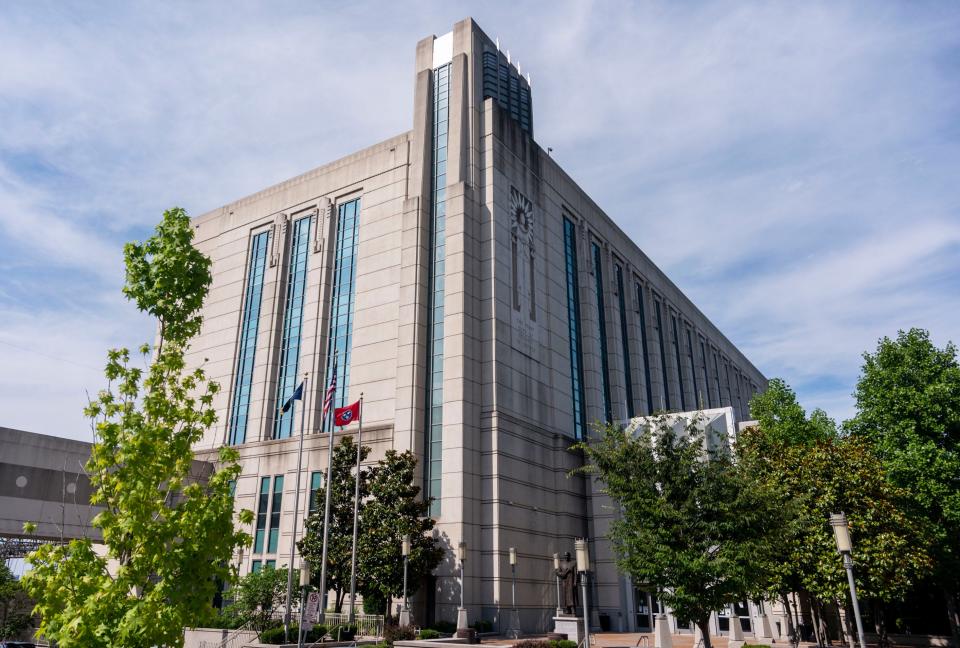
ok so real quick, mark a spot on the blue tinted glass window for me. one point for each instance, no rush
(316, 480)
(573, 326)
(263, 503)
(343, 294)
(292, 325)
(434, 397)
(663, 359)
(602, 326)
(676, 349)
(275, 508)
(643, 342)
(247, 344)
(256, 566)
(625, 343)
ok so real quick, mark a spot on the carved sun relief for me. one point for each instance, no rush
(522, 210)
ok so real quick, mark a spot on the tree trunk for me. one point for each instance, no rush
(953, 613)
(704, 625)
(815, 611)
(786, 607)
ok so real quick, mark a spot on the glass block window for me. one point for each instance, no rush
(573, 326)
(693, 372)
(706, 374)
(503, 84)
(676, 349)
(292, 325)
(343, 294)
(643, 342)
(247, 344)
(663, 358)
(434, 397)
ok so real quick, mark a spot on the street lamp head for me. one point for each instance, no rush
(556, 561)
(405, 546)
(841, 532)
(462, 551)
(513, 556)
(304, 573)
(583, 555)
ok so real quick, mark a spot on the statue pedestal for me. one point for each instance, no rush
(569, 625)
(661, 632)
(404, 616)
(462, 619)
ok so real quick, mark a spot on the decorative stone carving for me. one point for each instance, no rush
(523, 290)
(279, 235)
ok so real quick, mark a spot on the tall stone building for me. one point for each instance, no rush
(484, 305)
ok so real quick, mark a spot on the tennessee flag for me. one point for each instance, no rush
(346, 415)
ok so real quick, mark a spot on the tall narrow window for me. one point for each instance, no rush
(573, 326)
(247, 344)
(643, 345)
(273, 538)
(716, 376)
(706, 374)
(342, 298)
(698, 397)
(292, 323)
(663, 358)
(676, 349)
(316, 480)
(726, 370)
(625, 343)
(263, 505)
(602, 326)
(739, 393)
(433, 465)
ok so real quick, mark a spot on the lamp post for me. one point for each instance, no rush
(583, 566)
(405, 551)
(556, 570)
(462, 610)
(514, 631)
(304, 584)
(841, 533)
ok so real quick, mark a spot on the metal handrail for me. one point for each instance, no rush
(231, 639)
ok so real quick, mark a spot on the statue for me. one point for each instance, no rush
(568, 584)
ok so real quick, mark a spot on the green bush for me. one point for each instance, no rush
(274, 636)
(393, 633)
(345, 632)
(532, 643)
(228, 618)
(429, 633)
(446, 627)
(482, 625)
(566, 643)
(373, 604)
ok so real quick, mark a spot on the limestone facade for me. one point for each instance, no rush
(496, 435)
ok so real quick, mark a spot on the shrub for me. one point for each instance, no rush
(482, 625)
(274, 636)
(446, 627)
(532, 643)
(565, 643)
(429, 633)
(345, 632)
(398, 633)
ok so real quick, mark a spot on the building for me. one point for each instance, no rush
(484, 305)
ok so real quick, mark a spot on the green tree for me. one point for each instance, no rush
(14, 605)
(394, 510)
(259, 596)
(908, 407)
(169, 532)
(340, 538)
(820, 472)
(691, 524)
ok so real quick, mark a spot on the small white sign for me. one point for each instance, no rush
(313, 608)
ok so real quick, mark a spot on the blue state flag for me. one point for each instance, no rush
(297, 395)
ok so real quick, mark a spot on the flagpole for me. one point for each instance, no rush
(326, 507)
(296, 504)
(356, 506)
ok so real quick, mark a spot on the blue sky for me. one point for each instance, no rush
(792, 166)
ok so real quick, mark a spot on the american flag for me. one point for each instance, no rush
(331, 390)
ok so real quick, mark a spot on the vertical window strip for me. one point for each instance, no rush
(573, 326)
(316, 480)
(716, 376)
(263, 504)
(698, 397)
(676, 349)
(602, 326)
(246, 348)
(343, 294)
(273, 538)
(292, 326)
(434, 398)
(643, 343)
(625, 341)
(663, 358)
(726, 370)
(706, 374)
